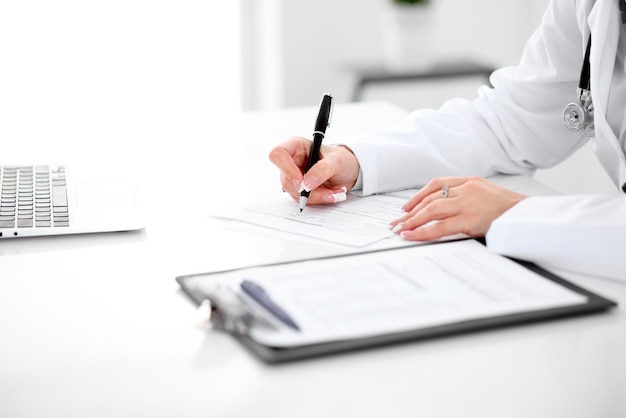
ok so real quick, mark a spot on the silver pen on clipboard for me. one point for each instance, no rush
(227, 310)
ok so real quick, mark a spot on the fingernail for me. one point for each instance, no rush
(405, 234)
(398, 227)
(308, 184)
(334, 198)
(340, 197)
(296, 185)
(304, 187)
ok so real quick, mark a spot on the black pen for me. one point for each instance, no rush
(257, 293)
(321, 123)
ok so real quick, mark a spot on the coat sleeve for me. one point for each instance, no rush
(583, 234)
(514, 127)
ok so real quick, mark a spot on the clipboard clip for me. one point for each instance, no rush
(224, 309)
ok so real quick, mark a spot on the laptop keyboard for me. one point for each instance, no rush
(33, 197)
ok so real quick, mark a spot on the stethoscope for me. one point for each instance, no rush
(579, 116)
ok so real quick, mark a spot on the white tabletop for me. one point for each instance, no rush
(96, 326)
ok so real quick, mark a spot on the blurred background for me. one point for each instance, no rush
(137, 74)
(293, 49)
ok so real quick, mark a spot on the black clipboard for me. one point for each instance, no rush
(594, 304)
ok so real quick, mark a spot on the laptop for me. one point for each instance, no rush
(45, 200)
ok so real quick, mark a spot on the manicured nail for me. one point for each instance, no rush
(303, 187)
(334, 198)
(340, 197)
(396, 228)
(307, 184)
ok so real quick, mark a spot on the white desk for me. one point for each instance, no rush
(95, 326)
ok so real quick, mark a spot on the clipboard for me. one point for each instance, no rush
(230, 313)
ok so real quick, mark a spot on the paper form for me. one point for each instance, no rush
(358, 221)
(400, 290)
(361, 221)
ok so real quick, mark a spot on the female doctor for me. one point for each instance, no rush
(537, 114)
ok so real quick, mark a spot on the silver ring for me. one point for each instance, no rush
(444, 191)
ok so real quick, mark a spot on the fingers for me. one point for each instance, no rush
(338, 195)
(432, 208)
(327, 181)
(319, 195)
(423, 203)
(319, 174)
(445, 206)
(433, 230)
(448, 206)
(288, 157)
(434, 186)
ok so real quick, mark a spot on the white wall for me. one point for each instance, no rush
(298, 49)
(116, 71)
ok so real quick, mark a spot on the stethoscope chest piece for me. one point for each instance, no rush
(579, 116)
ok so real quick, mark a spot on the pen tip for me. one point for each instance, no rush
(302, 202)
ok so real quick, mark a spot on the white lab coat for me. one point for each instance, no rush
(517, 127)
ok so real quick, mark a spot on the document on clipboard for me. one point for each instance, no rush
(382, 297)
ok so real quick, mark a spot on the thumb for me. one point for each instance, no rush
(317, 175)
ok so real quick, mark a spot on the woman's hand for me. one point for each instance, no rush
(329, 180)
(465, 205)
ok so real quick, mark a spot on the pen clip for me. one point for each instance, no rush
(332, 107)
(324, 116)
(330, 117)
